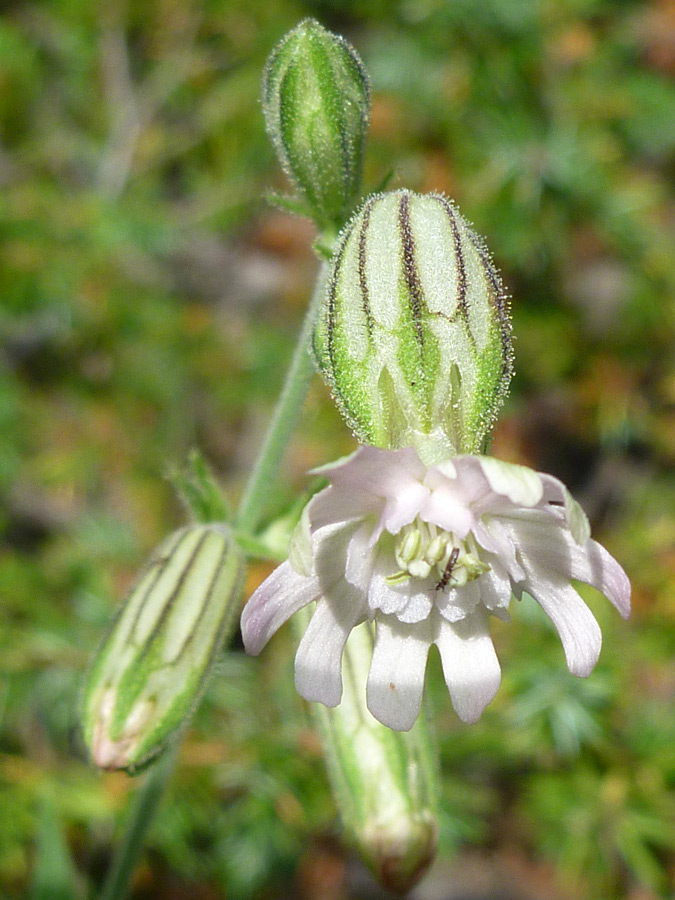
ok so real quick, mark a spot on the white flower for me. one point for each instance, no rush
(429, 554)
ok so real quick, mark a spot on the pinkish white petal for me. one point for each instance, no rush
(471, 482)
(554, 489)
(396, 678)
(374, 471)
(318, 662)
(446, 508)
(557, 495)
(334, 505)
(497, 537)
(445, 470)
(276, 600)
(402, 508)
(594, 565)
(470, 664)
(578, 630)
(550, 550)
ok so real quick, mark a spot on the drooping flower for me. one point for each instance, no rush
(428, 554)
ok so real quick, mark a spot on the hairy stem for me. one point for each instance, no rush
(148, 796)
(283, 422)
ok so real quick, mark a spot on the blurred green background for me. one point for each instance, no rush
(149, 302)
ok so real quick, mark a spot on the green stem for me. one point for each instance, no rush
(283, 422)
(251, 508)
(148, 796)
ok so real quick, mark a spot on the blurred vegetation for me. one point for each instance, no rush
(149, 304)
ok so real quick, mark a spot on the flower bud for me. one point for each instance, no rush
(154, 662)
(384, 781)
(316, 101)
(414, 336)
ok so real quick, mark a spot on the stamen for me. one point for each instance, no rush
(436, 550)
(409, 547)
(422, 548)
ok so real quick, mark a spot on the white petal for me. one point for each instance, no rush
(483, 532)
(381, 595)
(417, 608)
(396, 678)
(360, 558)
(495, 588)
(402, 508)
(455, 603)
(300, 551)
(318, 662)
(330, 557)
(498, 537)
(579, 632)
(521, 485)
(275, 601)
(470, 664)
(342, 505)
(449, 607)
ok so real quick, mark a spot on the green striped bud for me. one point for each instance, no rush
(154, 663)
(414, 335)
(384, 782)
(316, 101)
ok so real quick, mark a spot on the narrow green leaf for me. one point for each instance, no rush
(54, 874)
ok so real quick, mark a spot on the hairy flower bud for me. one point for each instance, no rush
(384, 782)
(316, 101)
(414, 336)
(154, 662)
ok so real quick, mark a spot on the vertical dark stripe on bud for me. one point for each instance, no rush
(363, 243)
(499, 303)
(415, 296)
(331, 312)
(461, 266)
(174, 594)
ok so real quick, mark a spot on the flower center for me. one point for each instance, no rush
(423, 550)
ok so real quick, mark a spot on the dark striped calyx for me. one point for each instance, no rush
(154, 663)
(414, 335)
(316, 101)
